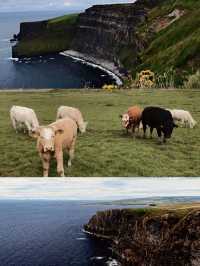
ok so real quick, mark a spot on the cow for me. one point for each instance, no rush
(184, 117)
(23, 117)
(131, 119)
(159, 118)
(52, 140)
(75, 114)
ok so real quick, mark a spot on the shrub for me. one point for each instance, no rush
(166, 80)
(110, 88)
(145, 79)
(193, 81)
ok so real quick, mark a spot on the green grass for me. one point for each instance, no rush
(105, 150)
(177, 46)
(69, 19)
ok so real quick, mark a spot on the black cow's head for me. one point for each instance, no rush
(168, 128)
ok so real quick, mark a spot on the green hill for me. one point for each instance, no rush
(176, 46)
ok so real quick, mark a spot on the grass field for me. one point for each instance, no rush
(105, 150)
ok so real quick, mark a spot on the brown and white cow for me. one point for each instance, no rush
(52, 140)
(132, 119)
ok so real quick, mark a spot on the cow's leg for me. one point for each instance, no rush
(14, 123)
(144, 130)
(71, 152)
(133, 130)
(28, 126)
(159, 132)
(59, 159)
(151, 132)
(45, 164)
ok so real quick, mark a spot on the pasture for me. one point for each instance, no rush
(105, 149)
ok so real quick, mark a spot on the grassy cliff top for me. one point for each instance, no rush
(69, 19)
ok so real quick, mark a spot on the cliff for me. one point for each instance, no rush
(45, 37)
(151, 237)
(155, 34)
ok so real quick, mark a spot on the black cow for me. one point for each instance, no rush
(159, 118)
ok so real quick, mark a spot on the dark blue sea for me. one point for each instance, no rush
(53, 71)
(49, 233)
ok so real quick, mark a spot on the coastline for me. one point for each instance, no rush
(104, 65)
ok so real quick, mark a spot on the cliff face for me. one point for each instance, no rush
(109, 31)
(103, 31)
(160, 35)
(150, 238)
(45, 37)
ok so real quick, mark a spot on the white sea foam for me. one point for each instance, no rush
(107, 67)
(81, 238)
(113, 262)
(13, 59)
(97, 258)
(5, 40)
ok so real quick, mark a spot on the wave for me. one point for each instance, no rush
(15, 59)
(5, 40)
(83, 59)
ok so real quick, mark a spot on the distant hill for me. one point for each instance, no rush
(158, 35)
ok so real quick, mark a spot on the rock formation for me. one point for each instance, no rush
(151, 237)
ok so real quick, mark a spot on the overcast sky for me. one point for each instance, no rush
(29, 5)
(97, 188)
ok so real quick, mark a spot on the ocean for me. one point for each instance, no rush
(49, 233)
(52, 71)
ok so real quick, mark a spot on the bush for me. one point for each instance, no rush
(193, 81)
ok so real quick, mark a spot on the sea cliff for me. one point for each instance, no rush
(156, 34)
(151, 237)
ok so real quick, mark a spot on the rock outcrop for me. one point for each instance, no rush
(150, 237)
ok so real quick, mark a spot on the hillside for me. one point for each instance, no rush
(151, 237)
(160, 35)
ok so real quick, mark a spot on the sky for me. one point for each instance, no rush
(105, 189)
(30, 5)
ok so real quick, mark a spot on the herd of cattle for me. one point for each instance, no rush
(61, 135)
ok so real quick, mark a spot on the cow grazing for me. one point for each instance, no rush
(131, 119)
(23, 117)
(159, 118)
(184, 117)
(52, 139)
(75, 114)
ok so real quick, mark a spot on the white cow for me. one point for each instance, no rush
(23, 117)
(73, 113)
(184, 117)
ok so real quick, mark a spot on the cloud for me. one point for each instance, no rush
(16, 5)
(97, 188)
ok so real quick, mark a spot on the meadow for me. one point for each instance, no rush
(105, 149)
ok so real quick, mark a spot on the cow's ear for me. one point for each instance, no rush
(120, 116)
(174, 125)
(34, 133)
(59, 131)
